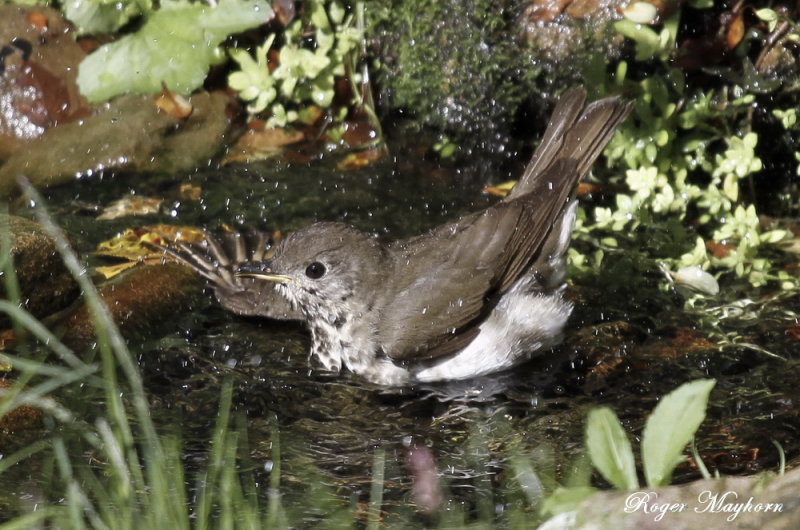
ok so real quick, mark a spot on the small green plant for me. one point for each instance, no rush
(683, 161)
(650, 43)
(139, 479)
(665, 145)
(307, 66)
(99, 16)
(145, 61)
(445, 147)
(668, 430)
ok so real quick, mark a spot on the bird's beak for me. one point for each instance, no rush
(262, 271)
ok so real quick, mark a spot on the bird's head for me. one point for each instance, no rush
(328, 270)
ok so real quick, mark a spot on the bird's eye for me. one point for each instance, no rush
(315, 271)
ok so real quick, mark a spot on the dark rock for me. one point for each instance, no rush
(39, 60)
(46, 285)
(129, 133)
(140, 301)
(21, 418)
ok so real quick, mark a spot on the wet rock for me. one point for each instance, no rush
(447, 66)
(46, 285)
(40, 105)
(129, 133)
(140, 301)
(194, 141)
(38, 65)
(570, 30)
(474, 71)
(21, 418)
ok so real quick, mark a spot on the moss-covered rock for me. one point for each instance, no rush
(45, 284)
(469, 69)
(140, 301)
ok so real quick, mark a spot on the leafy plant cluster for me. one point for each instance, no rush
(178, 41)
(308, 65)
(668, 430)
(174, 48)
(687, 154)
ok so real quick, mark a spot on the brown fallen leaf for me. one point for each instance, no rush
(110, 271)
(285, 10)
(38, 20)
(359, 134)
(8, 339)
(361, 158)
(719, 250)
(190, 192)
(501, 190)
(20, 418)
(736, 30)
(173, 104)
(793, 332)
(545, 10)
(130, 205)
(257, 145)
(130, 246)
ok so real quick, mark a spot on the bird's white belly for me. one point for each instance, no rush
(521, 325)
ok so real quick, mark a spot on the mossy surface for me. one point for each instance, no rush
(476, 72)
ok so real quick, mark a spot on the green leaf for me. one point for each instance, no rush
(565, 499)
(670, 427)
(610, 449)
(97, 16)
(770, 16)
(322, 90)
(730, 187)
(696, 279)
(319, 18)
(336, 12)
(647, 40)
(176, 46)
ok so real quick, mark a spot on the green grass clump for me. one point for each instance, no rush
(136, 476)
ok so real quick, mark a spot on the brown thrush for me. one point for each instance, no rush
(473, 296)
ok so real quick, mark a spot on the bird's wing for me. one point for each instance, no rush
(573, 132)
(454, 274)
(471, 262)
(218, 256)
